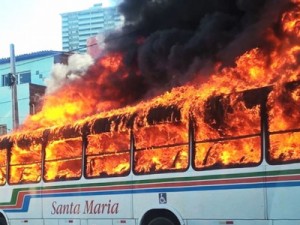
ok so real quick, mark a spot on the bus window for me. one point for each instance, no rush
(284, 125)
(227, 132)
(25, 160)
(228, 153)
(3, 160)
(107, 154)
(284, 147)
(63, 159)
(161, 148)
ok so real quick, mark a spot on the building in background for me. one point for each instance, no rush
(79, 26)
(31, 72)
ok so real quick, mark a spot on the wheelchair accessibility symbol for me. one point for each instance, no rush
(162, 197)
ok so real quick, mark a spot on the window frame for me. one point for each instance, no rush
(187, 144)
(55, 138)
(85, 162)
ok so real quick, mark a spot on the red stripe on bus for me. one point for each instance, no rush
(22, 194)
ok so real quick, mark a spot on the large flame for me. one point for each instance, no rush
(81, 97)
(226, 118)
(3, 160)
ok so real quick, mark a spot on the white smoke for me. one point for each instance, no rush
(61, 74)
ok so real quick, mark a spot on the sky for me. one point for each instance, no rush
(35, 25)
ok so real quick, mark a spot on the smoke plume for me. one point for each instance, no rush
(167, 41)
(62, 74)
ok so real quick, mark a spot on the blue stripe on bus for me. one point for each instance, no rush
(154, 190)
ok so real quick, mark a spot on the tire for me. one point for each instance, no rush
(161, 221)
(3, 221)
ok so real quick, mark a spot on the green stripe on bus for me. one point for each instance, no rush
(149, 181)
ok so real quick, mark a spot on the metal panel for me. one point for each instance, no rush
(69, 221)
(230, 222)
(98, 222)
(286, 222)
(124, 222)
(26, 222)
(51, 222)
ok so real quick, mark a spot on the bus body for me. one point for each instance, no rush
(229, 162)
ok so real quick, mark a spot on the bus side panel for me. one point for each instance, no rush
(222, 204)
(283, 196)
(220, 198)
(24, 203)
(92, 202)
(8, 194)
(239, 222)
(286, 222)
(102, 222)
(211, 204)
(68, 221)
(284, 203)
(51, 222)
(26, 221)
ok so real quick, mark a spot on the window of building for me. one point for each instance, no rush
(5, 80)
(3, 129)
(21, 78)
(25, 77)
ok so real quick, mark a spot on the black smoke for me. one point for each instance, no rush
(166, 41)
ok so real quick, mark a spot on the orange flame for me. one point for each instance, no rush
(75, 100)
(226, 119)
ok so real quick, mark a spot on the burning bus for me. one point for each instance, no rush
(222, 149)
(229, 145)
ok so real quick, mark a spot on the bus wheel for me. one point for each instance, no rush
(161, 221)
(2, 221)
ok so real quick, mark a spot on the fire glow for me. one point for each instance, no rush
(225, 115)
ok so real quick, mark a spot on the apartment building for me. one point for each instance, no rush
(79, 26)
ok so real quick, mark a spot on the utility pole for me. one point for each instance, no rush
(13, 80)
